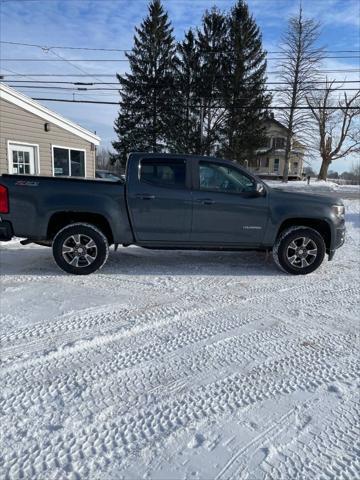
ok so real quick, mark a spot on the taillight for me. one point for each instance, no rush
(4, 199)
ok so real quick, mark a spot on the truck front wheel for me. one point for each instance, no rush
(80, 248)
(299, 250)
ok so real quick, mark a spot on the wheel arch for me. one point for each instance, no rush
(321, 226)
(60, 220)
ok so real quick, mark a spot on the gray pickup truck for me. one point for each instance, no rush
(170, 202)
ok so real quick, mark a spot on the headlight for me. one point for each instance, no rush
(339, 210)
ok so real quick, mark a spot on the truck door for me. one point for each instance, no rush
(159, 200)
(227, 209)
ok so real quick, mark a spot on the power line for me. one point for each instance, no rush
(191, 106)
(63, 59)
(69, 60)
(348, 70)
(63, 47)
(340, 70)
(124, 59)
(61, 75)
(317, 82)
(16, 74)
(73, 65)
(85, 89)
(66, 47)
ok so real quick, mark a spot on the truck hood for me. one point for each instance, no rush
(282, 194)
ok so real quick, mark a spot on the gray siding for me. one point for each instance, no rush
(16, 124)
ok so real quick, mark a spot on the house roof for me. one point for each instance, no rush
(13, 96)
(273, 120)
(276, 122)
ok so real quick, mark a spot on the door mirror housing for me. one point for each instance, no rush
(260, 189)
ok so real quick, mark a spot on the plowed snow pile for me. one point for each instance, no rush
(180, 365)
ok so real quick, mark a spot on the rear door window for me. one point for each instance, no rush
(164, 173)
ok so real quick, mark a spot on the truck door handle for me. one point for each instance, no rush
(145, 196)
(205, 201)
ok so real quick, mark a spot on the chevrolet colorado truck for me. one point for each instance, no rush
(170, 202)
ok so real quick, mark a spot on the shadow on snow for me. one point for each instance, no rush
(137, 261)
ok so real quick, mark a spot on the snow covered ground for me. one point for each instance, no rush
(180, 365)
(318, 186)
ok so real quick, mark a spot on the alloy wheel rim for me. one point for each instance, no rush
(301, 252)
(79, 250)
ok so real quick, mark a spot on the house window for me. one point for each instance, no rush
(279, 143)
(23, 159)
(276, 165)
(68, 162)
(264, 162)
(265, 143)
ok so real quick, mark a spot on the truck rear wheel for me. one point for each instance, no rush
(80, 248)
(299, 250)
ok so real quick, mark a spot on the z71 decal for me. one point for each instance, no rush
(26, 183)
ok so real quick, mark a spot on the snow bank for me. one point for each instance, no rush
(315, 185)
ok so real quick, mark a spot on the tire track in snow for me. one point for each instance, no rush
(126, 359)
(273, 428)
(150, 341)
(141, 318)
(332, 451)
(143, 346)
(113, 438)
(80, 321)
(131, 383)
(67, 324)
(125, 364)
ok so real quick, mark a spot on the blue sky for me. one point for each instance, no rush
(110, 24)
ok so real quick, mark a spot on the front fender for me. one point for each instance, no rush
(315, 211)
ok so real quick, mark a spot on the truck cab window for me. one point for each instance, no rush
(169, 173)
(223, 178)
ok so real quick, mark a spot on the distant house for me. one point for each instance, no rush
(37, 141)
(269, 160)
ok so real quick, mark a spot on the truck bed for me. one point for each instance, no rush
(36, 202)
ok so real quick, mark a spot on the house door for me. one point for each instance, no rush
(22, 159)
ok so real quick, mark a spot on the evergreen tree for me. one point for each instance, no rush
(211, 43)
(243, 87)
(185, 134)
(147, 91)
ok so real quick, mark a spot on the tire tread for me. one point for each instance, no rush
(278, 245)
(92, 227)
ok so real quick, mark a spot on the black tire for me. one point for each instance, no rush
(80, 248)
(296, 256)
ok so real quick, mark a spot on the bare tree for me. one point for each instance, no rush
(355, 170)
(337, 124)
(102, 158)
(353, 176)
(298, 70)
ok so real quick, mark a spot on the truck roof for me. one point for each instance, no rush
(139, 155)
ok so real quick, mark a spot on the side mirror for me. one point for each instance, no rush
(260, 189)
